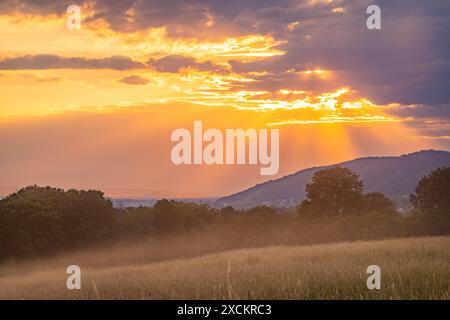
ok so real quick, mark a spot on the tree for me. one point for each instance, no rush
(378, 202)
(172, 217)
(87, 217)
(432, 194)
(333, 192)
(31, 222)
(37, 221)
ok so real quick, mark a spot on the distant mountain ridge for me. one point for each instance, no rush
(396, 177)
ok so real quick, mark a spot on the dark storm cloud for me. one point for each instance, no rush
(131, 15)
(408, 61)
(50, 61)
(175, 63)
(421, 111)
(41, 7)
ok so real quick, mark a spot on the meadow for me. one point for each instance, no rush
(411, 268)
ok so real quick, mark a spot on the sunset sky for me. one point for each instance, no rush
(94, 108)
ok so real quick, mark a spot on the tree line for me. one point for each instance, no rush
(38, 222)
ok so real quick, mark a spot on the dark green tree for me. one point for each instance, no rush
(432, 194)
(378, 202)
(333, 192)
(38, 221)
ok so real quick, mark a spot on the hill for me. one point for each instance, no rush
(396, 177)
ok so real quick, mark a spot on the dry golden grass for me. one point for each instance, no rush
(416, 268)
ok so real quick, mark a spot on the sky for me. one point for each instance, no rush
(95, 107)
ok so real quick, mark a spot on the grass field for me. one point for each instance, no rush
(416, 268)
